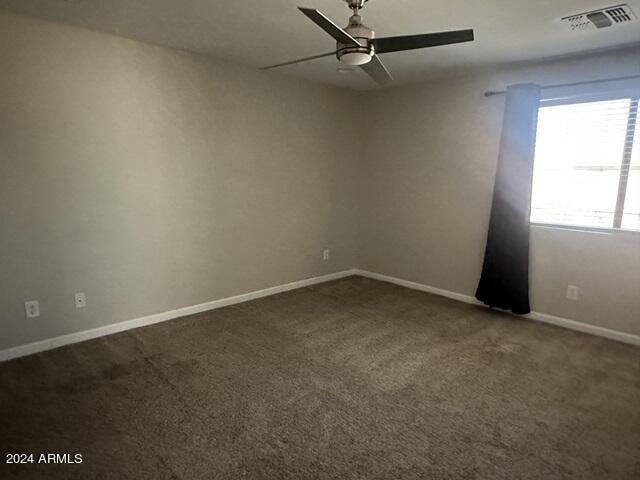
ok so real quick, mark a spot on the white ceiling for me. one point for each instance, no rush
(264, 32)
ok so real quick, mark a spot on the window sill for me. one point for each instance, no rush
(576, 228)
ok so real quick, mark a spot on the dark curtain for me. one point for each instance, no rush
(505, 274)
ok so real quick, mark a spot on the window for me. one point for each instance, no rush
(587, 164)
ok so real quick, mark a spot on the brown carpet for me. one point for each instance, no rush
(353, 379)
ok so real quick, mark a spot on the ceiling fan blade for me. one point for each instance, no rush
(376, 70)
(328, 26)
(322, 55)
(412, 42)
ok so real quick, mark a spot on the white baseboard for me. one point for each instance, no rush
(537, 316)
(51, 343)
(55, 342)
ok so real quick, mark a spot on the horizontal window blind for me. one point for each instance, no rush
(587, 165)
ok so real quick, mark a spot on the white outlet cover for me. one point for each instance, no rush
(326, 254)
(81, 300)
(573, 292)
(32, 309)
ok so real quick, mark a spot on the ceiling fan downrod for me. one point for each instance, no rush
(361, 52)
(356, 4)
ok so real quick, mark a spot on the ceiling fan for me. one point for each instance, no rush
(357, 45)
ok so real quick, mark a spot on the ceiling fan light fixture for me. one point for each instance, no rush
(355, 58)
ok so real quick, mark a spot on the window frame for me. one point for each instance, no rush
(574, 99)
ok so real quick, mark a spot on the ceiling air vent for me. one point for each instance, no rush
(603, 18)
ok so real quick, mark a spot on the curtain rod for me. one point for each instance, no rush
(575, 84)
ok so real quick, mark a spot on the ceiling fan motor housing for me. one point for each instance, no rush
(352, 55)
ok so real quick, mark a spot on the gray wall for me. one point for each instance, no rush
(429, 170)
(152, 179)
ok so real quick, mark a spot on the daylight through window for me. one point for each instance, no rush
(587, 165)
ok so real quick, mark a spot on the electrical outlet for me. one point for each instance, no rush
(325, 254)
(32, 309)
(81, 300)
(573, 292)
